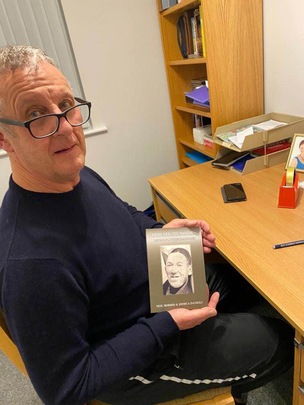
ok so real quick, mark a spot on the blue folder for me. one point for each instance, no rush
(199, 96)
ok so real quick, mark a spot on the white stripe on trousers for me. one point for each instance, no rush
(189, 382)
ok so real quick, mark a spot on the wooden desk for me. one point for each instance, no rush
(245, 235)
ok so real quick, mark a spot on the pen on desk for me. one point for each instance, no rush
(295, 242)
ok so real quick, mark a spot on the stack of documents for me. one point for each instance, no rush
(237, 136)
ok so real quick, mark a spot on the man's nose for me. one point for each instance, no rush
(64, 127)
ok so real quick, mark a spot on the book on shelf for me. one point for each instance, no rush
(168, 3)
(196, 33)
(202, 31)
(176, 268)
(189, 34)
(200, 121)
(201, 81)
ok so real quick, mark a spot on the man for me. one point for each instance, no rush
(73, 270)
(178, 268)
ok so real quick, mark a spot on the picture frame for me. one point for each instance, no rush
(296, 154)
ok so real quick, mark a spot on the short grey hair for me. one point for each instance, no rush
(13, 57)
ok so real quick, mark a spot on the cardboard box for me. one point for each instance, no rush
(295, 124)
(199, 133)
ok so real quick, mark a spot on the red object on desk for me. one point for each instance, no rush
(288, 195)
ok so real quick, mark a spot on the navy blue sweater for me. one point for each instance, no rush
(74, 289)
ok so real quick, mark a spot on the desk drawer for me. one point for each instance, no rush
(164, 211)
(301, 398)
(302, 364)
(299, 370)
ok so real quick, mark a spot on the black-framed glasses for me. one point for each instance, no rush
(46, 125)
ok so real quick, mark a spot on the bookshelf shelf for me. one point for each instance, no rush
(197, 147)
(189, 162)
(182, 62)
(180, 7)
(204, 112)
(232, 64)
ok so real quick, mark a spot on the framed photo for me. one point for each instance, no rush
(296, 154)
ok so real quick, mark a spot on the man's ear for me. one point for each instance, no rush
(5, 143)
(164, 256)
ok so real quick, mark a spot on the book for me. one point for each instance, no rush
(168, 3)
(196, 33)
(189, 34)
(202, 31)
(176, 268)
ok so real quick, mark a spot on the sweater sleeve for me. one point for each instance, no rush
(142, 220)
(46, 307)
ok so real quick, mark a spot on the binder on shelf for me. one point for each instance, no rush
(199, 96)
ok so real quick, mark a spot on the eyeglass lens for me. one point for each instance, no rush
(44, 126)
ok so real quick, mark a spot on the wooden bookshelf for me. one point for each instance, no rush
(233, 66)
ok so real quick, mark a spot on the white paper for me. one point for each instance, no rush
(270, 124)
(238, 139)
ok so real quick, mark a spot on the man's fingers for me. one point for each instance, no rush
(214, 299)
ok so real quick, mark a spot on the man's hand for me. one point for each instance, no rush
(188, 318)
(208, 237)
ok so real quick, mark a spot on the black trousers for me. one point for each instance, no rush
(240, 349)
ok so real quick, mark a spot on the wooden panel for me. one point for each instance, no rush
(11, 352)
(234, 46)
(300, 399)
(165, 212)
(195, 399)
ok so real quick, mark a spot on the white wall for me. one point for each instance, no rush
(284, 56)
(119, 55)
(118, 50)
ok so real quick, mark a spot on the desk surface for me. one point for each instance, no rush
(246, 231)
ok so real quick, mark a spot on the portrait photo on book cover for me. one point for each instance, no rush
(296, 154)
(176, 265)
(176, 268)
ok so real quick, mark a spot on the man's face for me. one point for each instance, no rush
(177, 269)
(49, 164)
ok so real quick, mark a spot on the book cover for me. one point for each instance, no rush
(176, 268)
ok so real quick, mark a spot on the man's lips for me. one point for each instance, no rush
(65, 149)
